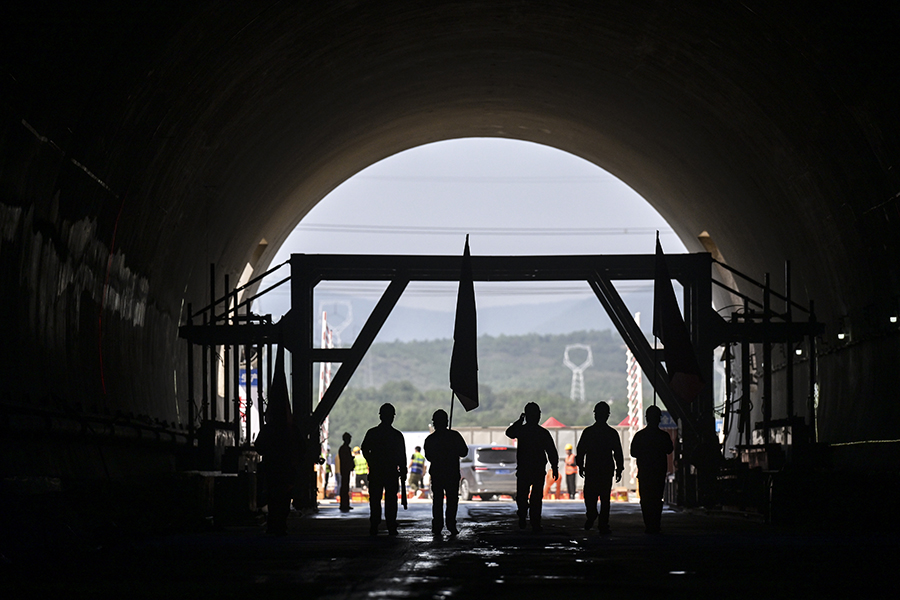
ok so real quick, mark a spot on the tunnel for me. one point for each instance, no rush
(143, 142)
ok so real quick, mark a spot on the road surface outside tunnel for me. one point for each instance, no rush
(329, 554)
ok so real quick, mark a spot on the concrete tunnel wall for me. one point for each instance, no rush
(139, 145)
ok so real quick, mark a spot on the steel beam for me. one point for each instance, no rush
(358, 350)
(295, 329)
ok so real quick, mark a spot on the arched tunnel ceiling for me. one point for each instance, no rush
(200, 130)
(718, 119)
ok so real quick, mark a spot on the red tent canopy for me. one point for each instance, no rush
(551, 422)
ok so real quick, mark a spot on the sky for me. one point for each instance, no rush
(511, 197)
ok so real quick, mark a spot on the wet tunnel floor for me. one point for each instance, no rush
(331, 555)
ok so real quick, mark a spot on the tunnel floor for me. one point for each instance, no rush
(330, 555)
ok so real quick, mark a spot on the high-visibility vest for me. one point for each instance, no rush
(360, 466)
(571, 467)
(418, 464)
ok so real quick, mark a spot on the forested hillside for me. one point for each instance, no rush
(513, 370)
(533, 362)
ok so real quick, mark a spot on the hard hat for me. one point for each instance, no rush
(356, 449)
(568, 446)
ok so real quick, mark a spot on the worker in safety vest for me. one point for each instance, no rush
(360, 468)
(416, 470)
(571, 473)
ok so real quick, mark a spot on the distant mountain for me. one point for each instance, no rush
(414, 377)
(532, 361)
(415, 324)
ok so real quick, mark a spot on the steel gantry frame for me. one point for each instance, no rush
(295, 330)
(598, 271)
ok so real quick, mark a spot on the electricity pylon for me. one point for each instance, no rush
(577, 391)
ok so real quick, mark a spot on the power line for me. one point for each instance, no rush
(520, 231)
(509, 179)
(450, 290)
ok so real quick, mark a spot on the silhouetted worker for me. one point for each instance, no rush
(345, 467)
(385, 452)
(534, 448)
(571, 473)
(598, 447)
(444, 447)
(650, 446)
(281, 446)
(416, 470)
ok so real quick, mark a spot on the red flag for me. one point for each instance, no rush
(464, 361)
(668, 325)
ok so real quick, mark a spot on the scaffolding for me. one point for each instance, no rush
(225, 332)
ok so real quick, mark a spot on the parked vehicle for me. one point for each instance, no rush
(488, 471)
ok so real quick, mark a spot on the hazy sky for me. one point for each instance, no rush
(513, 198)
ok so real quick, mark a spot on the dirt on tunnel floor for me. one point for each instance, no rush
(329, 554)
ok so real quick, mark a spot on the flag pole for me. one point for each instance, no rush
(450, 424)
(655, 338)
(655, 367)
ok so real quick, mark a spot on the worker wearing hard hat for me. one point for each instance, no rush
(345, 464)
(360, 468)
(385, 451)
(599, 457)
(571, 473)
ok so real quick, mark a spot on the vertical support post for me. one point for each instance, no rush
(213, 359)
(303, 283)
(701, 327)
(767, 360)
(813, 377)
(190, 377)
(745, 418)
(226, 357)
(259, 385)
(263, 409)
(248, 374)
(789, 345)
(204, 397)
(729, 398)
(236, 416)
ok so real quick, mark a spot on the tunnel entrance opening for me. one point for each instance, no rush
(514, 196)
(700, 449)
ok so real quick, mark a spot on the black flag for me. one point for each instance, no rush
(278, 407)
(464, 362)
(669, 327)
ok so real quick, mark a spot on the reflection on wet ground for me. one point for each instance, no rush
(331, 555)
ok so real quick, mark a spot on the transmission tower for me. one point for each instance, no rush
(337, 328)
(577, 391)
(635, 400)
